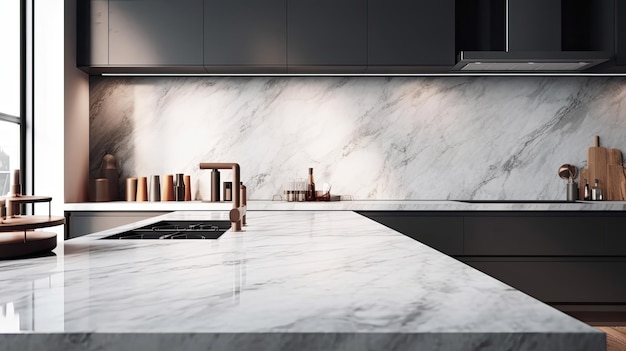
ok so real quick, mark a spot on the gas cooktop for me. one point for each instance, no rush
(176, 230)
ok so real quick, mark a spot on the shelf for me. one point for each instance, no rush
(12, 203)
(27, 199)
(22, 223)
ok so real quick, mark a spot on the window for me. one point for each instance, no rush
(10, 90)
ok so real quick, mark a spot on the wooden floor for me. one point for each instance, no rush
(615, 338)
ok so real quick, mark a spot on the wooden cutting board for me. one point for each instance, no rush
(597, 158)
(615, 175)
(623, 187)
(615, 183)
(614, 157)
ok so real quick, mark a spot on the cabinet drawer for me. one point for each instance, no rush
(444, 233)
(616, 236)
(534, 236)
(586, 282)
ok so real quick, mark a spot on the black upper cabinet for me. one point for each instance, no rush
(411, 33)
(620, 32)
(155, 32)
(330, 35)
(92, 33)
(245, 35)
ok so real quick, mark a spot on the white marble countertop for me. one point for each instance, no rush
(356, 205)
(293, 280)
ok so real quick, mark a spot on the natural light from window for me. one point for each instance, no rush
(10, 57)
(9, 91)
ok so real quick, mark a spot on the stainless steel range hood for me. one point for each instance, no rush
(533, 43)
(530, 61)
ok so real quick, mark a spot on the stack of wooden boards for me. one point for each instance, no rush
(606, 166)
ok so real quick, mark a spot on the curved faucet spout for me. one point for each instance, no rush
(238, 213)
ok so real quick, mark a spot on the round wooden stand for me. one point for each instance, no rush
(18, 244)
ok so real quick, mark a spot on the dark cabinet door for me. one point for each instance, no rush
(620, 32)
(616, 236)
(245, 33)
(441, 232)
(534, 235)
(330, 33)
(571, 282)
(411, 32)
(155, 32)
(92, 33)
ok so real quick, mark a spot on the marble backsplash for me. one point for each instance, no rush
(370, 137)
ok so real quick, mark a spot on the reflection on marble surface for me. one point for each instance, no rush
(9, 319)
(370, 137)
(292, 280)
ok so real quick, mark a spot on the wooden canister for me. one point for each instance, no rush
(187, 181)
(108, 170)
(142, 189)
(99, 189)
(167, 189)
(131, 189)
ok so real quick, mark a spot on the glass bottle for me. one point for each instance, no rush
(311, 187)
(596, 192)
(587, 195)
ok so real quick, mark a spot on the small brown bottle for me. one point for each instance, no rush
(179, 188)
(310, 194)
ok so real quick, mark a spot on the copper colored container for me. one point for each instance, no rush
(131, 189)
(142, 189)
(187, 182)
(99, 190)
(167, 188)
(108, 170)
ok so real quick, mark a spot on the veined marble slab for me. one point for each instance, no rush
(372, 205)
(293, 280)
(372, 137)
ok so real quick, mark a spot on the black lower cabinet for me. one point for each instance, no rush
(559, 281)
(534, 235)
(441, 232)
(616, 236)
(561, 258)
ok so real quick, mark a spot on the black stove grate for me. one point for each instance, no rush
(172, 230)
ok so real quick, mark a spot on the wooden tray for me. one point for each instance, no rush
(27, 199)
(29, 223)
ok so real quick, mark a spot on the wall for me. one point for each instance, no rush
(76, 106)
(370, 137)
(48, 112)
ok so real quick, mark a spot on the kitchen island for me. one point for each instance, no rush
(293, 280)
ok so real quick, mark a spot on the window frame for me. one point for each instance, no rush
(20, 120)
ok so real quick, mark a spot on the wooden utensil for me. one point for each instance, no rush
(615, 175)
(623, 186)
(597, 164)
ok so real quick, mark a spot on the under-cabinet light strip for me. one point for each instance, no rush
(506, 18)
(367, 75)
